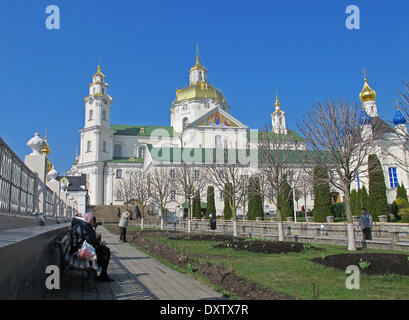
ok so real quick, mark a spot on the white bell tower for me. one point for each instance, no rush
(278, 121)
(96, 137)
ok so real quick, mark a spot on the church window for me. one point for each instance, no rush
(393, 177)
(118, 150)
(358, 181)
(91, 115)
(119, 173)
(141, 152)
(185, 122)
(172, 195)
(118, 195)
(103, 90)
(104, 115)
(104, 146)
(197, 174)
(88, 146)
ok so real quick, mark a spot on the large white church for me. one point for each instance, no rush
(200, 119)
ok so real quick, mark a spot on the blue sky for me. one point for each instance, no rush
(251, 48)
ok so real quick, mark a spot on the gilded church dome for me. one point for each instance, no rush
(199, 91)
(367, 94)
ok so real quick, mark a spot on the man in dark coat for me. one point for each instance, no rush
(82, 230)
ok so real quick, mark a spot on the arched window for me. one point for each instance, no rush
(91, 115)
(185, 122)
(118, 150)
(119, 173)
(104, 115)
(141, 152)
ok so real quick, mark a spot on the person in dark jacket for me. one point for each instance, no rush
(82, 230)
(118, 212)
(212, 217)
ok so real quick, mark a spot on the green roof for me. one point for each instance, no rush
(290, 136)
(126, 160)
(143, 131)
(205, 155)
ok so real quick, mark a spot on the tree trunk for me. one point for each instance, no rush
(280, 226)
(189, 220)
(234, 219)
(305, 207)
(142, 223)
(162, 224)
(350, 223)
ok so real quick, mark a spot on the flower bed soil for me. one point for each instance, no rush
(380, 263)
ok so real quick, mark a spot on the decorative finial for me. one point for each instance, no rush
(364, 73)
(197, 53)
(277, 103)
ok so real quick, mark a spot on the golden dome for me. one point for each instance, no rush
(367, 94)
(199, 91)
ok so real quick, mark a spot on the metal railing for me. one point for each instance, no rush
(18, 188)
(17, 183)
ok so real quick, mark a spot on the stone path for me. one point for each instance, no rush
(137, 277)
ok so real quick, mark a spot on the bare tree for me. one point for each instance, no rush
(274, 165)
(124, 188)
(340, 144)
(232, 175)
(140, 186)
(305, 183)
(187, 182)
(160, 189)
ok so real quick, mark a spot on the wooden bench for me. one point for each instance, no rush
(70, 262)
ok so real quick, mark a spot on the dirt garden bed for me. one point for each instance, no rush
(369, 263)
(226, 279)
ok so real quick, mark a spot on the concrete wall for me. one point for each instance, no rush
(24, 255)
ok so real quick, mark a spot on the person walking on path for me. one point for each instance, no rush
(118, 212)
(366, 222)
(212, 217)
(123, 224)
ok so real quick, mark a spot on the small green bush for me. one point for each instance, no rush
(405, 218)
(402, 203)
(338, 209)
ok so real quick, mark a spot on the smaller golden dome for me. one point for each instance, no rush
(198, 66)
(367, 94)
(277, 103)
(46, 149)
(99, 73)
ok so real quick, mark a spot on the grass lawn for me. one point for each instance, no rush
(293, 273)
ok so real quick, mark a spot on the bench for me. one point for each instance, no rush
(70, 262)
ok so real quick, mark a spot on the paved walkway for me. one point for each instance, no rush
(137, 277)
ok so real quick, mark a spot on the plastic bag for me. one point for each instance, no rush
(87, 252)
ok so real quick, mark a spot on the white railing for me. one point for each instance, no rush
(19, 188)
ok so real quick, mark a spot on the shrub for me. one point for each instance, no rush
(401, 192)
(286, 200)
(338, 209)
(227, 196)
(395, 210)
(322, 194)
(402, 203)
(210, 207)
(405, 218)
(255, 206)
(378, 203)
